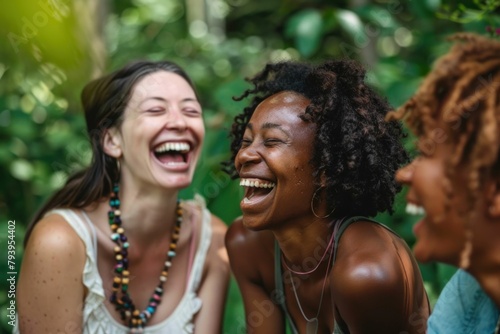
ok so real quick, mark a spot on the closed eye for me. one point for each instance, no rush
(245, 142)
(191, 112)
(156, 110)
(272, 141)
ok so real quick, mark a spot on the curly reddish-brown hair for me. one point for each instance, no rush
(462, 92)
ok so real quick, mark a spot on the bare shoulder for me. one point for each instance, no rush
(249, 251)
(377, 284)
(52, 269)
(218, 227)
(371, 261)
(53, 251)
(53, 234)
(241, 239)
(217, 252)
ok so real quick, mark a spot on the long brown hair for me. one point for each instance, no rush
(104, 101)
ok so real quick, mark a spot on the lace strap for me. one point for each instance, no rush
(94, 233)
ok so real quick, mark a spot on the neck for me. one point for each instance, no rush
(147, 215)
(304, 246)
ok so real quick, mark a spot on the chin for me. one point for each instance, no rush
(175, 182)
(425, 254)
(252, 224)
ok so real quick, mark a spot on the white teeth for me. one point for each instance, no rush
(413, 209)
(256, 184)
(179, 147)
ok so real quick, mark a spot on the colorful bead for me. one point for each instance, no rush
(135, 319)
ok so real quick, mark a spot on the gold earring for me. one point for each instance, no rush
(312, 205)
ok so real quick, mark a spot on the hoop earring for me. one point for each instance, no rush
(312, 205)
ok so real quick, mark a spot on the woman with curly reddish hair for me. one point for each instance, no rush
(316, 158)
(455, 181)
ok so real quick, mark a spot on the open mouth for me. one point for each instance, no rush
(414, 210)
(172, 153)
(256, 189)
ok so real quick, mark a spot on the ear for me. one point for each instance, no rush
(112, 143)
(493, 196)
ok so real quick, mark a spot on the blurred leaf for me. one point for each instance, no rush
(351, 23)
(306, 28)
(21, 169)
(224, 96)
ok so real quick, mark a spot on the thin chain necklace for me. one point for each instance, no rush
(312, 323)
(317, 266)
(135, 319)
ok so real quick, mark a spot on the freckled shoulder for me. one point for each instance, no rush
(53, 235)
(50, 281)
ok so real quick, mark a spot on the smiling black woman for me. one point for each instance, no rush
(316, 158)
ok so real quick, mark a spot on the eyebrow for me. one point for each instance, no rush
(269, 125)
(159, 98)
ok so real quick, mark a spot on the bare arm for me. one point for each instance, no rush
(378, 288)
(262, 315)
(213, 290)
(50, 290)
(371, 301)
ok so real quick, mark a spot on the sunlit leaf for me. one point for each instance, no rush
(21, 169)
(306, 28)
(351, 23)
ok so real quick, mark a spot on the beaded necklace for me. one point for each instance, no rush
(135, 319)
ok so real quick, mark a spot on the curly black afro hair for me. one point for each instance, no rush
(356, 152)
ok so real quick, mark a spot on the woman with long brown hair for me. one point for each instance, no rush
(116, 250)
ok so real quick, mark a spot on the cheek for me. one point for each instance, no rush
(303, 179)
(200, 130)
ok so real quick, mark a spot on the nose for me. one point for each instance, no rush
(404, 175)
(175, 120)
(246, 155)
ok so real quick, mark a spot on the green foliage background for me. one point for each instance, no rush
(50, 49)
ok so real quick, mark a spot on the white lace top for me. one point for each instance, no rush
(98, 320)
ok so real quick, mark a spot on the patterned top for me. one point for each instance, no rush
(464, 308)
(98, 320)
